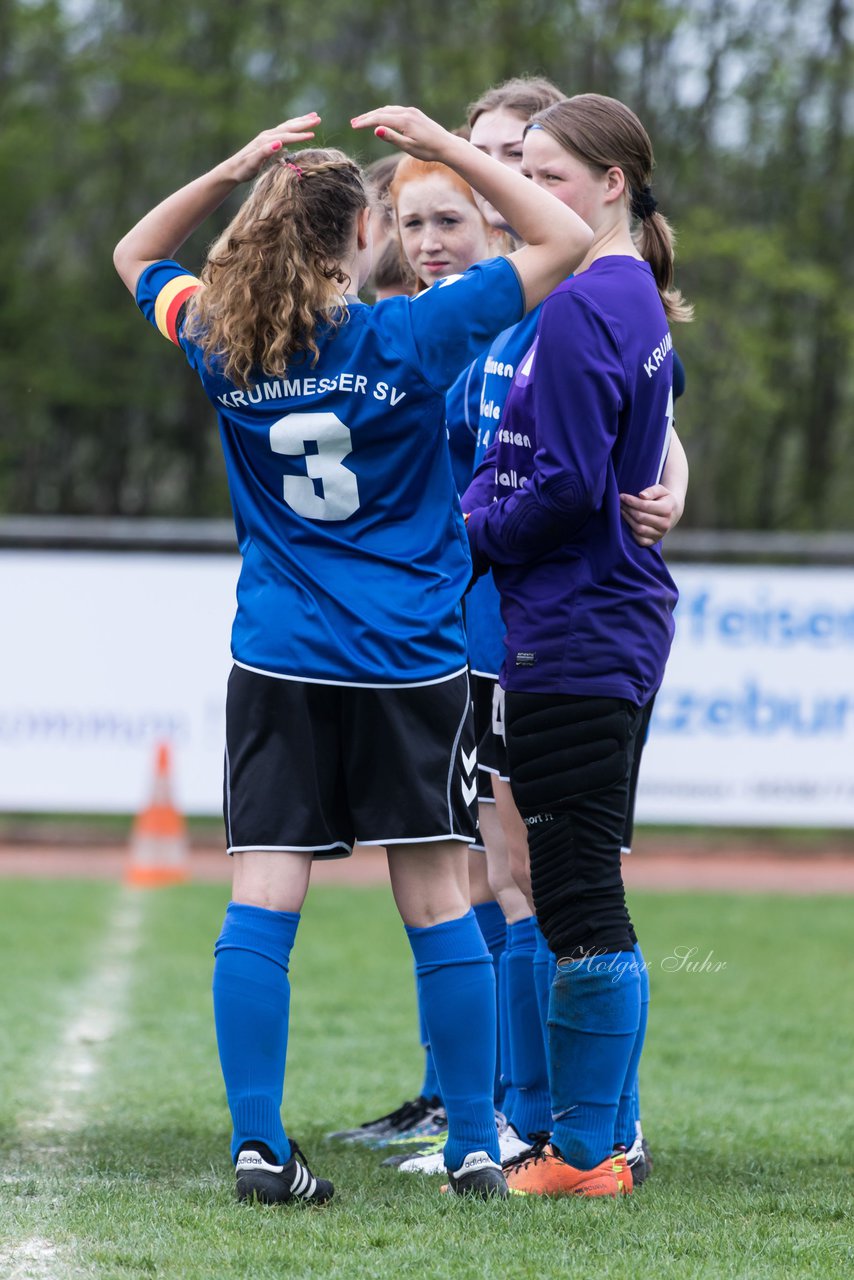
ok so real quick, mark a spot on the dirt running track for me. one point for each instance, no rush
(673, 866)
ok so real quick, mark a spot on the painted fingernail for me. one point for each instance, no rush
(380, 131)
(276, 146)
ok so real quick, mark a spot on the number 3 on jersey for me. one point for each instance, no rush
(338, 497)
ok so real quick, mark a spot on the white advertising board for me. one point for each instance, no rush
(754, 723)
(106, 654)
(103, 656)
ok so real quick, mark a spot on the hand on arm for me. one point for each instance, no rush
(556, 238)
(161, 232)
(655, 511)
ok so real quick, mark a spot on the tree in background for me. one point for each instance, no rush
(106, 105)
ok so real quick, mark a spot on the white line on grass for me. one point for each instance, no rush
(36, 1259)
(98, 1010)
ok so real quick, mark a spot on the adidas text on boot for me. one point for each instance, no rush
(268, 1183)
(478, 1175)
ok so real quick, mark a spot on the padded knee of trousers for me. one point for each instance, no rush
(574, 914)
(560, 751)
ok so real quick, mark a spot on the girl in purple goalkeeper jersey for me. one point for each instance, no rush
(587, 607)
(497, 122)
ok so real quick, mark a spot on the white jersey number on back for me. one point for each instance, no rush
(339, 496)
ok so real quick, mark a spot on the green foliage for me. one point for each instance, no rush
(105, 106)
(743, 1088)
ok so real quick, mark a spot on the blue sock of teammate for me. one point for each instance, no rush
(457, 983)
(543, 959)
(430, 1085)
(493, 926)
(593, 1023)
(531, 1109)
(627, 1128)
(505, 1058)
(251, 995)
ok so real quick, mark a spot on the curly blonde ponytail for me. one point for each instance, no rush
(276, 267)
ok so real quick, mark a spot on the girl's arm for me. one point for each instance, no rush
(556, 238)
(162, 231)
(657, 510)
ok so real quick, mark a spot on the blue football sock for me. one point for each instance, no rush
(593, 1023)
(457, 984)
(531, 1106)
(430, 1085)
(505, 1060)
(543, 960)
(251, 995)
(493, 926)
(627, 1127)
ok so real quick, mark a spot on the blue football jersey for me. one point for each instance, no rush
(462, 406)
(355, 557)
(484, 625)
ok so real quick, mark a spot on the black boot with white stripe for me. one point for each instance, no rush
(259, 1178)
(478, 1175)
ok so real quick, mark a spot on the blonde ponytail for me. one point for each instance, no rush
(274, 274)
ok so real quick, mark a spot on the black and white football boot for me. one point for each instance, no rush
(260, 1178)
(479, 1176)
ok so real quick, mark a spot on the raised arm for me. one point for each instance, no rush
(557, 239)
(653, 512)
(161, 232)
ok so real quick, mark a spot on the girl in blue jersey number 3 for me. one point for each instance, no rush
(348, 714)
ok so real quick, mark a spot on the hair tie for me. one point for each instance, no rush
(644, 203)
(289, 164)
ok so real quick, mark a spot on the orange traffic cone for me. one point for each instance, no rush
(159, 850)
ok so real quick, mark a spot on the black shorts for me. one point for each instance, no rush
(573, 777)
(562, 756)
(317, 767)
(488, 699)
(640, 743)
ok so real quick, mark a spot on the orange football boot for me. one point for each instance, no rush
(623, 1171)
(544, 1172)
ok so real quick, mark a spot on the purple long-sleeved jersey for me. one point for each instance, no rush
(588, 417)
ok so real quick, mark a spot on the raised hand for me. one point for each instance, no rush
(408, 129)
(556, 239)
(249, 160)
(164, 229)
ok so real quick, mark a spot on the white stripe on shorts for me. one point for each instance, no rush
(460, 728)
(351, 684)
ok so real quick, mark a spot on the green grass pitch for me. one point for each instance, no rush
(114, 1136)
